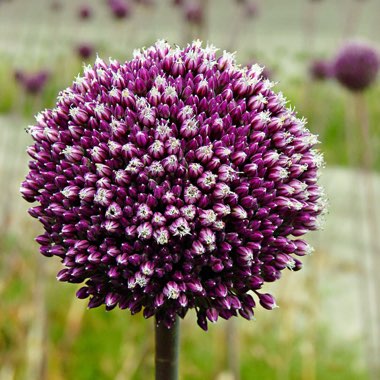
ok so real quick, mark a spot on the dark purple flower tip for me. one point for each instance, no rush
(193, 12)
(120, 8)
(173, 181)
(321, 69)
(85, 50)
(356, 66)
(32, 83)
(85, 12)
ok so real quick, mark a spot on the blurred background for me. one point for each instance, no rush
(327, 324)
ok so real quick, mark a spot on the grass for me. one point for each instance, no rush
(84, 344)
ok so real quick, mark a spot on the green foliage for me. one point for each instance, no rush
(86, 344)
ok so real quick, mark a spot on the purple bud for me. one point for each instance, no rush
(267, 301)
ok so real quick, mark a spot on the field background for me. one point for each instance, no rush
(324, 328)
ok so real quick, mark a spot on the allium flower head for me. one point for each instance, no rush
(85, 12)
(321, 69)
(120, 8)
(251, 9)
(177, 180)
(356, 66)
(193, 12)
(85, 50)
(32, 82)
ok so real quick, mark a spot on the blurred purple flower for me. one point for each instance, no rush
(120, 8)
(321, 69)
(356, 66)
(85, 12)
(174, 181)
(193, 12)
(32, 83)
(251, 9)
(85, 50)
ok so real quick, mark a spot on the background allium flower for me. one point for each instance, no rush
(85, 50)
(251, 9)
(356, 66)
(321, 69)
(32, 83)
(85, 12)
(120, 8)
(174, 181)
(193, 12)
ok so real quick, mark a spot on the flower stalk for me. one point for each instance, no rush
(166, 351)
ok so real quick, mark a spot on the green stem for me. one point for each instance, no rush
(167, 342)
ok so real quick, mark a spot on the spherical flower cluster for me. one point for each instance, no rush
(120, 9)
(85, 50)
(356, 66)
(193, 12)
(85, 12)
(251, 9)
(174, 181)
(32, 82)
(321, 69)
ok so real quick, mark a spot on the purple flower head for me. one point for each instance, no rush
(177, 180)
(193, 12)
(85, 50)
(321, 69)
(85, 12)
(120, 8)
(32, 83)
(251, 9)
(356, 66)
